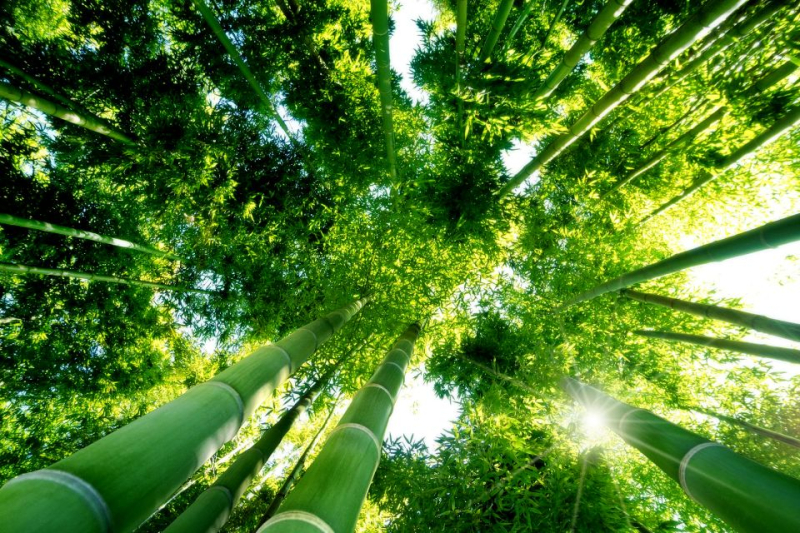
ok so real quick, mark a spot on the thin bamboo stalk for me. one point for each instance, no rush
(48, 227)
(26, 270)
(90, 122)
(519, 22)
(749, 348)
(461, 32)
(598, 27)
(499, 21)
(43, 88)
(750, 497)
(118, 481)
(769, 235)
(379, 14)
(666, 129)
(752, 428)
(709, 16)
(331, 493)
(770, 326)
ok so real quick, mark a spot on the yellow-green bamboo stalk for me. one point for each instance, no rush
(379, 14)
(749, 497)
(118, 481)
(598, 27)
(48, 227)
(43, 88)
(752, 428)
(497, 27)
(707, 18)
(90, 122)
(330, 495)
(27, 270)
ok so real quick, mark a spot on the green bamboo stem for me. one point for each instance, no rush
(461, 32)
(47, 227)
(773, 78)
(770, 235)
(766, 137)
(42, 88)
(598, 27)
(26, 270)
(90, 122)
(237, 58)
(709, 16)
(297, 469)
(749, 348)
(552, 26)
(666, 129)
(752, 428)
(749, 497)
(520, 21)
(499, 21)
(379, 14)
(118, 481)
(770, 326)
(331, 493)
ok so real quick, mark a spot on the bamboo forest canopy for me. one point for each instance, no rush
(520, 221)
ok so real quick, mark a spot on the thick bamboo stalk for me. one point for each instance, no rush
(499, 21)
(237, 58)
(118, 481)
(90, 122)
(331, 493)
(709, 16)
(297, 469)
(752, 428)
(749, 348)
(769, 235)
(47, 227)
(379, 14)
(773, 78)
(750, 497)
(598, 27)
(770, 326)
(766, 137)
(25, 270)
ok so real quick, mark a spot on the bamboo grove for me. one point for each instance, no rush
(327, 266)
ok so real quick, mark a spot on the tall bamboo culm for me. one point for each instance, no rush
(47, 227)
(118, 481)
(700, 24)
(748, 496)
(770, 326)
(493, 36)
(379, 13)
(329, 496)
(752, 428)
(749, 348)
(769, 235)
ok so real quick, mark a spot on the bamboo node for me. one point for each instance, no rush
(685, 464)
(300, 516)
(625, 417)
(363, 429)
(316, 339)
(402, 372)
(384, 389)
(286, 354)
(233, 393)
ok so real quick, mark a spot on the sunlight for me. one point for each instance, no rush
(594, 424)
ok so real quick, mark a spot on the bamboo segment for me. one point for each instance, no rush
(331, 493)
(520, 21)
(701, 23)
(47, 227)
(118, 481)
(90, 122)
(757, 430)
(499, 21)
(24, 269)
(237, 58)
(379, 13)
(461, 32)
(748, 496)
(598, 27)
(42, 88)
(758, 350)
(770, 326)
(769, 235)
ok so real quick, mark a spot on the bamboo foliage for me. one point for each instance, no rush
(598, 27)
(752, 428)
(48, 227)
(498, 22)
(709, 16)
(748, 496)
(749, 348)
(331, 493)
(770, 326)
(770, 235)
(118, 481)
(90, 122)
(379, 14)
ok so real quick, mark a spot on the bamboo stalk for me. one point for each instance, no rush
(461, 32)
(43, 88)
(48, 227)
(748, 496)
(752, 428)
(379, 14)
(90, 122)
(25, 270)
(498, 22)
(118, 481)
(666, 129)
(709, 16)
(331, 493)
(520, 21)
(598, 27)
(749, 348)
(769, 235)
(237, 58)
(770, 326)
